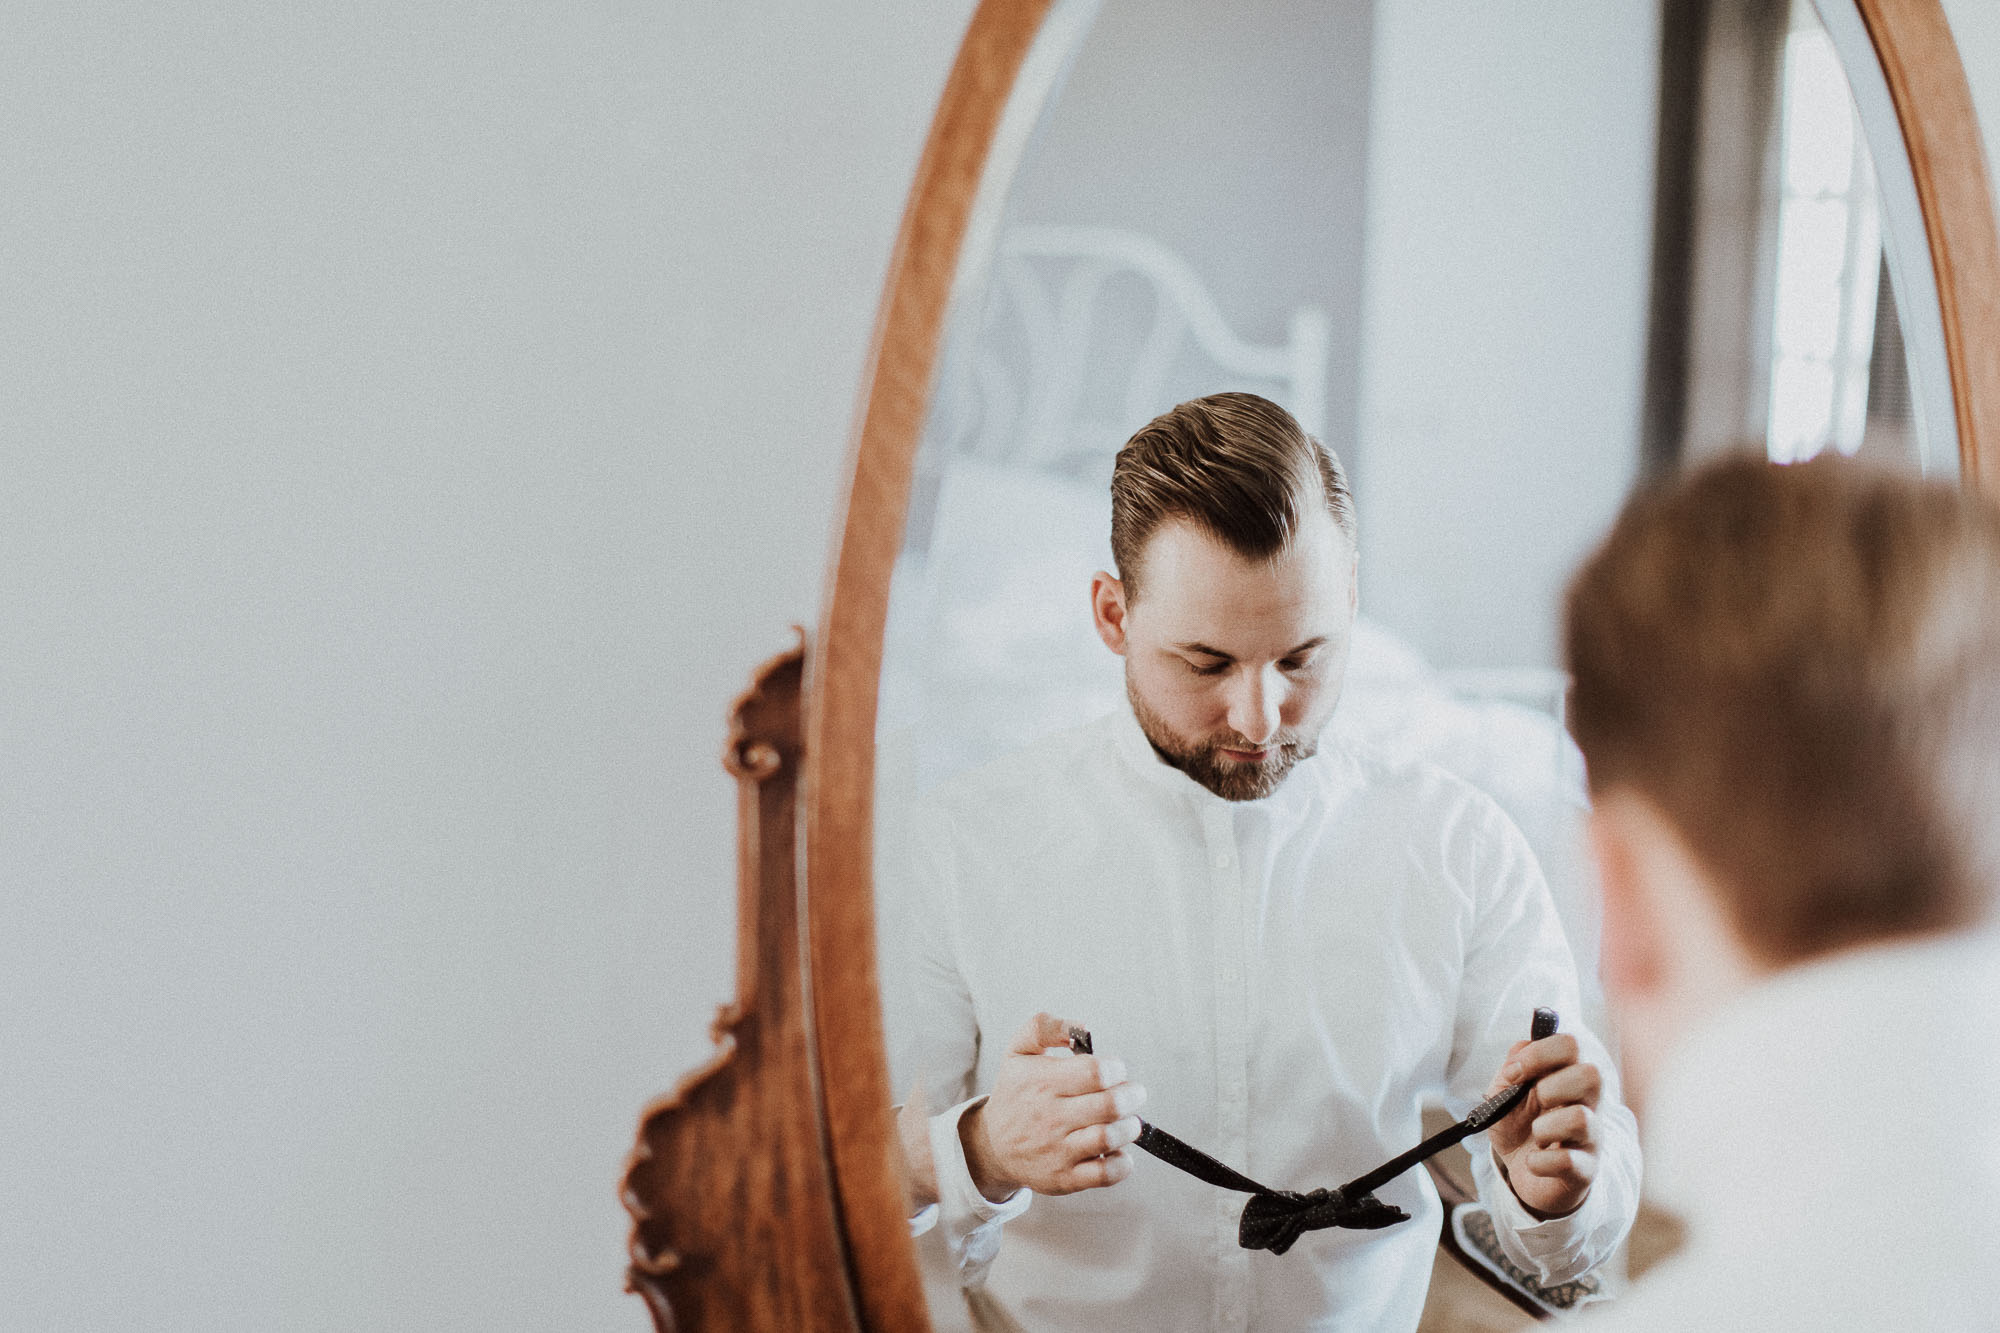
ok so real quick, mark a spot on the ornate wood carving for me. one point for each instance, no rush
(728, 1187)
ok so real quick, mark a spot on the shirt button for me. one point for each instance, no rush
(1222, 860)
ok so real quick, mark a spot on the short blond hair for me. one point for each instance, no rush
(1801, 667)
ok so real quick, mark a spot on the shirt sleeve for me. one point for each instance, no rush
(931, 1029)
(970, 1221)
(933, 1032)
(1518, 959)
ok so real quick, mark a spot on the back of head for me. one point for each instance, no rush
(1800, 667)
(1234, 464)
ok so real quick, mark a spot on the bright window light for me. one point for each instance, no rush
(1829, 259)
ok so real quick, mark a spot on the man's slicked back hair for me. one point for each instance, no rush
(1800, 666)
(1236, 465)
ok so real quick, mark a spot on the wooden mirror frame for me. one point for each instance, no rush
(766, 1189)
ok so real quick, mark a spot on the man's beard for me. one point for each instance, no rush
(1231, 779)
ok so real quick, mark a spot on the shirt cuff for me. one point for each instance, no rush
(971, 1221)
(1555, 1249)
(925, 1217)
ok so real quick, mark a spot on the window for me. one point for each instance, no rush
(1829, 258)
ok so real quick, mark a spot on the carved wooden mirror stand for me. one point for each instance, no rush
(766, 1188)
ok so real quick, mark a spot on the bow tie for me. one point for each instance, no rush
(1274, 1219)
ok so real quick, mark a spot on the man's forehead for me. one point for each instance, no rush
(1192, 565)
(1199, 590)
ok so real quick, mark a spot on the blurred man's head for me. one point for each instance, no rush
(1233, 534)
(1787, 690)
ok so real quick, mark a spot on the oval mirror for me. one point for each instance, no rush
(1506, 262)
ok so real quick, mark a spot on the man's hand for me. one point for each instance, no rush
(1054, 1123)
(1546, 1147)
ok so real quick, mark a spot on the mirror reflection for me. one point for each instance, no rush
(1260, 775)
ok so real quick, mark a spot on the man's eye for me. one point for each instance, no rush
(1296, 663)
(1214, 669)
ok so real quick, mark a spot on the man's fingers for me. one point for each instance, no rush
(1038, 1034)
(1081, 1074)
(1571, 1126)
(1098, 1140)
(1572, 1164)
(1097, 1172)
(1539, 1058)
(1101, 1108)
(1579, 1085)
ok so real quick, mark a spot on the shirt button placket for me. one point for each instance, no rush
(1232, 1108)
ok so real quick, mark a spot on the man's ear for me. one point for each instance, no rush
(1107, 610)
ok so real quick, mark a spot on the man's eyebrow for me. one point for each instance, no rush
(1204, 649)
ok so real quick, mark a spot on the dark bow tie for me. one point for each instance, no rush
(1274, 1219)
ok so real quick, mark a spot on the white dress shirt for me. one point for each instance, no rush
(1289, 978)
(1829, 1142)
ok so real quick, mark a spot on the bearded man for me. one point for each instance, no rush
(1293, 945)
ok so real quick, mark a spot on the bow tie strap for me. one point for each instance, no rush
(1195, 1162)
(1274, 1219)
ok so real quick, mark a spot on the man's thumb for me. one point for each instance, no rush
(1038, 1034)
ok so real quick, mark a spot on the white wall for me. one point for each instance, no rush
(1509, 224)
(1235, 135)
(417, 420)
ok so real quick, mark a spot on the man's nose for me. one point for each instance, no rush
(1256, 703)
